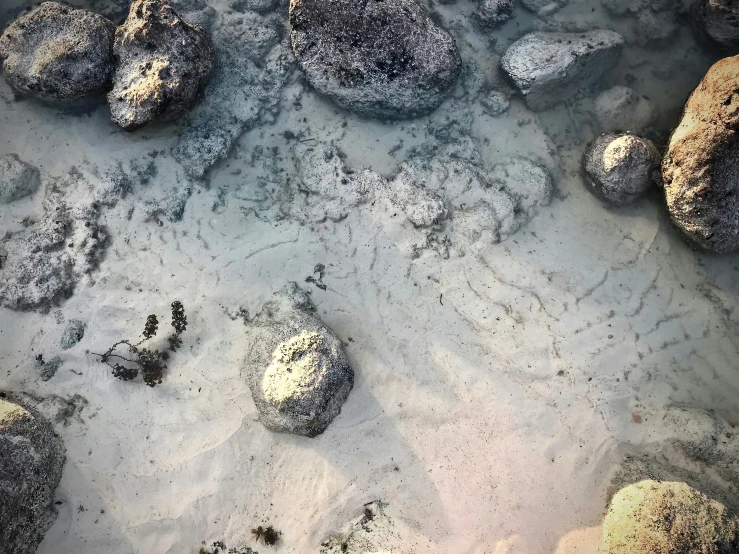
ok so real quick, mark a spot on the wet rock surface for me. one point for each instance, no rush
(548, 68)
(31, 462)
(718, 21)
(297, 371)
(17, 178)
(622, 109)
(387, 60)
(163, 65)
(620, 168)
(701, 167)
(58, 54)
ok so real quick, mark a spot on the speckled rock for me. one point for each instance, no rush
(17, 178)
(622, 109)
(388, 60)
(31, 462)
(669, 518)
(718, 21)
(620, 168)
(58, 53)
(297, 371)
(163, 65)
(73, 333)
(701, 167)
(548, 68)
(544, 7)
(493, 13)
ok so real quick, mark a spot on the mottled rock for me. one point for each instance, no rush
(667, 517)
(73, 333)
(422, 207)
(548, 68)
(297, 371)
(493, 13)
(17, 178)
(701, 167)
(495, 103)
(163, 65)
(718, 21)
(620, 168)
(58, 53)
(622, 109)
(655, 29)
(387, 60)
(31, 462)
(544, 7)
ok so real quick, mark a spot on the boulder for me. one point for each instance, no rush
(718, 21)
(620, 168)
(58, 53)
(31, 462)
(493, 13)
(668, 517)
(297, 371)
(17, 178)
(622, 109)
(548, 68)
(163, 65)
(387, 60)
(701, 167)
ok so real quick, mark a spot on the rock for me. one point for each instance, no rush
(622, 109)
(667, 517)
(701, 167)
(718, 21)
(372, 532)
(17, 178)
(548, 68)
(620, 168)
(259, 6)
(58, 53)
(544, 7)
(495, 103)
(31, 462)
(48, 368)
(530, 185)
(656, 29)
(422, 207)
(73, 333)
(297, 371)
(389, 61)
(493, 13)
(163, 65)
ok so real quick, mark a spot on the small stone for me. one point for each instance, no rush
(544, 7)
(495, 103)
(388, 60)
(163, 65)
(297, 370)
(622, 109)
(655, 28)
(58, 53)
(548, 68)
(17, 178)
(718, 21)
(620, 168)
(73, 333)
(31, 462)
(48, 369)
(493, 13)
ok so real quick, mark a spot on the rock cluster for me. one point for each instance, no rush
(387, 60)
(296, 369)
(620, 168)
(17, 178)
(548, 68)
(701, 167)
(31, 462)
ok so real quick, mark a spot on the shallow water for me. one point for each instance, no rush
(498, 387)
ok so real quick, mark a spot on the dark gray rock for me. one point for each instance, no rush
(58, 53)
(297, 371)
(548, 68)
(31, 462)
(163, 65)
(493, 13)
(620, 168)
(701, 167)
(718, 21)
(17, 178)
(383, 59)
(73, 333)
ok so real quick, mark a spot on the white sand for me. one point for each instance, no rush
(495, 394)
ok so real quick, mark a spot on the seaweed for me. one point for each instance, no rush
(150, 362)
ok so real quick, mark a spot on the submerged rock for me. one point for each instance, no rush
(387, 60)
(297, 371)
(669, 518)
(73, 333)
(163, 65)
(58, 53)
(622, 109)
(718, 21)
(17, 178)
(493, 13)
(548, 68)
(544, 7)
(31, 462)
(620, 168)
(701, 167)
